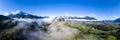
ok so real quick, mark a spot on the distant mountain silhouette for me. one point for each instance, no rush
(117, 20)
(86, 17)
(90, 18)
(22, 14)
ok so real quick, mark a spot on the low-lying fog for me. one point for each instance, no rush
(44, 29)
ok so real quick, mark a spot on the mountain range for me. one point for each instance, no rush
(22, 14)
(2, 18)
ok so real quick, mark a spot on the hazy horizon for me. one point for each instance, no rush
(100, 9)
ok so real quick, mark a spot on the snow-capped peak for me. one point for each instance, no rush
(6, 14)
(17, 11)
(14, 13)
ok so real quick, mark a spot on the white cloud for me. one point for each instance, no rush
(92, 15)
(6, 14)
(17, 11)
(14, 12)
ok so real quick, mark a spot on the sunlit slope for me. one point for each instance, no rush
(58, 31)
(96, 31)
(83, 30)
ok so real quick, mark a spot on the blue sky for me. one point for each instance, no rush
(100, 9)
